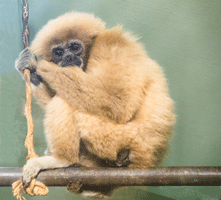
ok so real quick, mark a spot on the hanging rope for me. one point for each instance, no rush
(35, 187)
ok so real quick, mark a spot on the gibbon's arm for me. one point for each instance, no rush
(87, 93)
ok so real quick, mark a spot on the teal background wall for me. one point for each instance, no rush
(184, 37)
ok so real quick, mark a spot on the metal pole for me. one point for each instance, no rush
(159, 176)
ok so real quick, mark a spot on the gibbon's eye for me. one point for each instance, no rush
(58, 52)
(76, 47)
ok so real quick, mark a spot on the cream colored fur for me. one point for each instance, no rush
(120, 101)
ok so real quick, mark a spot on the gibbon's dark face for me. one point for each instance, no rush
(69, 53)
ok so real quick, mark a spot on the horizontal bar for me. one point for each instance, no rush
(156, 176)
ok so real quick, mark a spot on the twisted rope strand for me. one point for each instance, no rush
(35, 187)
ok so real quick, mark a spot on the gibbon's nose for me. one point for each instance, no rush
(69, 58)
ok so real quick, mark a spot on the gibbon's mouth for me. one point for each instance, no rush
(76, 61)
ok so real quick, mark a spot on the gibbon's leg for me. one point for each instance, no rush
(61, 135)
(62, 140)
(35, 165)
(145, 155)
(91, 160)
(107, 139)
(102, 136)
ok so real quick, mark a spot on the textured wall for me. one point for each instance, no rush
(184, 37)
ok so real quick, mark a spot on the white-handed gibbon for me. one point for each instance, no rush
(106, 102)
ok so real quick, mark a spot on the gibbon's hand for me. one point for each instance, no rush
(49, 72)
(27, 60)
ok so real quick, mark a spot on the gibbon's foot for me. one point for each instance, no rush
(30, 171)
(25, 183)
(123, 158)
(35, 165)
(94, 192)
(75, 187)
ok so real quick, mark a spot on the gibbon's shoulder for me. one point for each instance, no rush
(119, 57)
(117, 49)
(117, 44)
(117, 37)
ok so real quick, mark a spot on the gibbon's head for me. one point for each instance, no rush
(67, 39)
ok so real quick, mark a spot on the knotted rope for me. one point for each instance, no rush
(35, 187)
